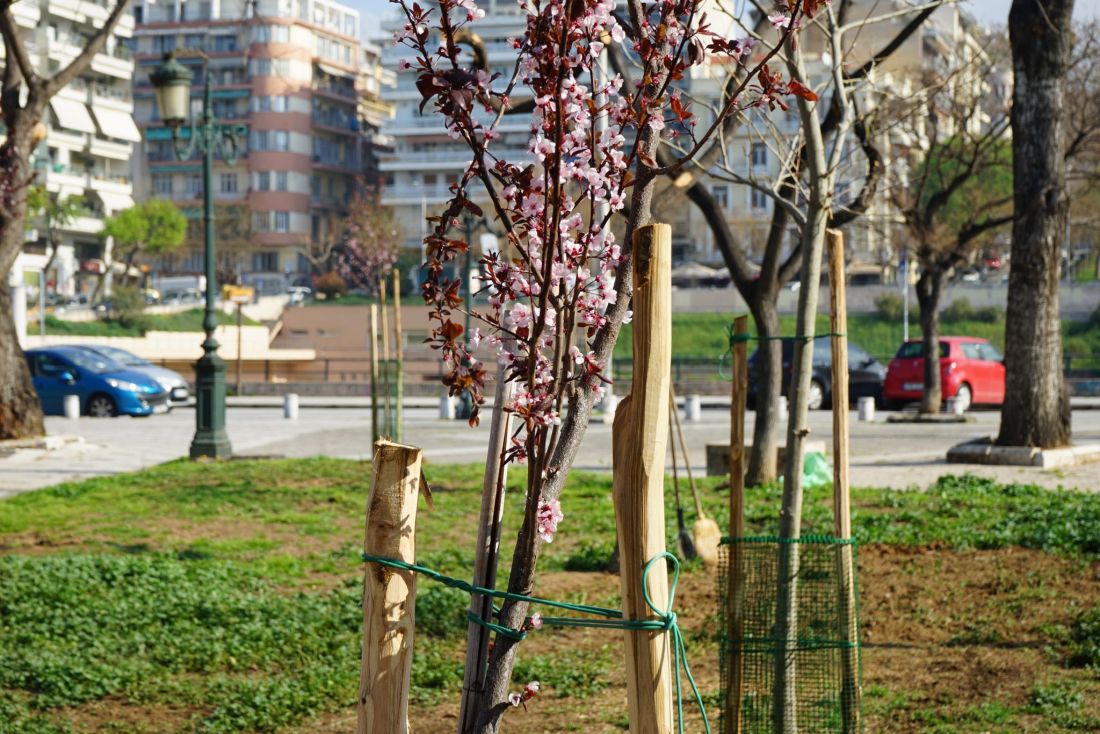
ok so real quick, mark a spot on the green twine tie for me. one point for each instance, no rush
(665, 620)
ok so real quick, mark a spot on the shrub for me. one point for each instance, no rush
(128, 308)
(889, 306)
(962, 310)
(1085, 640)
(331, 285)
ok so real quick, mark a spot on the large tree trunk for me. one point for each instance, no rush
(929, 288)
(20, 411)
(769, 384)
(1036, 408)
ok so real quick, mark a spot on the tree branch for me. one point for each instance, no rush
(14, 47)
(84, 59)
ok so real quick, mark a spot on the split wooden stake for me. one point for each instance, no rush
(639, 442)
(399, 351)
(850, 692)
(389, 595)
(734, 592)
(375, 433)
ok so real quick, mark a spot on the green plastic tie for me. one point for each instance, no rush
(665, 620)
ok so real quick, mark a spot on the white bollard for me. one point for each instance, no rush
(447, 408)
(693, 408)
(782, 407)
(867, 409)
(955, 407)
(610, 404)
(71, 406)
(290, 406)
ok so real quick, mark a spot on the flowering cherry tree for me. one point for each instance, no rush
(560, 290)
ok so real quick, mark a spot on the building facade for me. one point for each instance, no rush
(89, 142)
(424, 161)
(292, 71)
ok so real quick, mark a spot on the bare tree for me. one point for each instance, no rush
(24, 96)
(958, 188)
(1036, 410)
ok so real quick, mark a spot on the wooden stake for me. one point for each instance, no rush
(639, 437)
(850, 692)
(399, 351)
(387, 413)
(374, 432)
(486, 557)
(735, 619)
(705, 533)
(389, 595)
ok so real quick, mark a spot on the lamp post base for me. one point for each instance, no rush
(210, 441)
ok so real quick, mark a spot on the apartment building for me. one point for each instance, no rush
(424, 161)
(293, 72)
(89, 142)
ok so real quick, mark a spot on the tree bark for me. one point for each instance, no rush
(1036, 409)
(929, 289)
(769, 384)
(20, 411)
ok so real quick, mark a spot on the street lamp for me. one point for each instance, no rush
(172, 84)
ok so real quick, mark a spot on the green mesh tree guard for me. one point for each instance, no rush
(826, 644)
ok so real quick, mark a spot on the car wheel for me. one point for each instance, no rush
(817, 396)
(102, 406)
(964, 397)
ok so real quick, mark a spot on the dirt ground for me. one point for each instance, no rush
(945, 635)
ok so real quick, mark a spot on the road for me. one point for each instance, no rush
(895, 455)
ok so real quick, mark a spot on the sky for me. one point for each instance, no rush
(989, 12)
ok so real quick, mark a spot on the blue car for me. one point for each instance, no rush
(105, 387)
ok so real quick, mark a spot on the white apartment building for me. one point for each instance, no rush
(425, 161)
(89, 142)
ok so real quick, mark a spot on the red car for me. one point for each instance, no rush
(972, 371)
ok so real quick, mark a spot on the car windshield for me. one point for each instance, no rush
(122, 356)
(91, 361)
(909, 350)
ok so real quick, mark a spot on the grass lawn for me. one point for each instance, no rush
(225, 598)
(705, 335)
(190, 320)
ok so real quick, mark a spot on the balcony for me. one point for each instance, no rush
(456, 157)
(351, 163)
(111, 149)
(413, 194)
(342, 123)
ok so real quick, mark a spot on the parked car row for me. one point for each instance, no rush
(108, 381)
(972, 373)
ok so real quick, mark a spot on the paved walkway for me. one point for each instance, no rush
(896, 455)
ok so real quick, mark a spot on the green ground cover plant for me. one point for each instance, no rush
(225, 597)
(189, 320)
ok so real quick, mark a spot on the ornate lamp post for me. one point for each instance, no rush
(172, 84)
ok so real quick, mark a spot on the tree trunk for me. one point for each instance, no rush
(20, 411)
(769, 383)
(929, 288)
(1036, 408)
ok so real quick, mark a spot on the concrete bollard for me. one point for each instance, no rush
(447, 408)
(867, 409)
(693, 408)
(610, 403)
(71, 406)
(290, 406)
(782, 405)
(955, 407)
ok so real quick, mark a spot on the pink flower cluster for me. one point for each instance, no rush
(529, 691)
(549, 515)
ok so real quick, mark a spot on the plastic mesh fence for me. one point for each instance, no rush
(824, 647)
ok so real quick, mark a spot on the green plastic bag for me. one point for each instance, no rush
(816, 471)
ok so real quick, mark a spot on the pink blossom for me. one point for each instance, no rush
(549, 515)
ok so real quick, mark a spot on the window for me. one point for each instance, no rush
(225, 43)
(194, 40)
(989, 353)
(229, 183)
(259, 140)
(909, 350)
(277, 103)
(261, 221)
(759, 200)
(267, 262)
(315, 185)
(163, 44)
(971, 351)
(194, 184)
(282, 221)
(162, 184)
(281, 180)
(759, 155)
(722, 196)
(263, 181)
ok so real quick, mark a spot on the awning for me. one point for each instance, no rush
(115, 124)
(113, 202)
(73, 115)
(334, 70)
